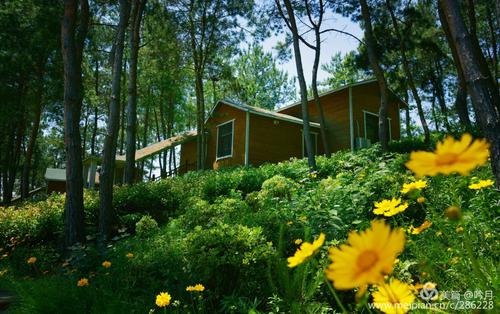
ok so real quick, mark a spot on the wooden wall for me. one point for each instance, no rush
(188, 156)
(224, 113)
(336, 109)
(273, 140)
(56, 186)
(367, 97)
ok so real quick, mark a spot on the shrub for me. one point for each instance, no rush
(33, 221)
(201, 213)
(146, 227)
(228, 258)
(278, 186)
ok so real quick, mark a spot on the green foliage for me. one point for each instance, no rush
(343, 70)
(146, 227)
(32, 222)
(228, 257)
(278, 186)
(258, 81)
(231, 230)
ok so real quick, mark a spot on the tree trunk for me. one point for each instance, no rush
(72, 50)
(145, 133)
(132, 92)
(85, 127)
(484, 94)
(158, 138)
(379, 74)
(163, 133)
(461, 105)
(200, 120)
(439, 94)
(407, 116)
(96, 110)
(406, 69)
(314, 85)
(123, 106)
(302, 82)
(461, 96)
(433, 111)
(106, 214)
(34, 132)
(494, 45)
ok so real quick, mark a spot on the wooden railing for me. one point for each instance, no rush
(174, 172)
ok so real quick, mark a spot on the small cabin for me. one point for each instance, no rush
(239, 134)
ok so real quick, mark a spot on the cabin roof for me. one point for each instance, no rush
(55, 174)
(262, 112)
(159, 146)
(339, 89)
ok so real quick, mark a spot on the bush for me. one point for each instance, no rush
(279, 187)
(146, 227)
(229, 258)
(40, 221)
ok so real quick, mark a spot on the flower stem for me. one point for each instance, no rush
(335, 296)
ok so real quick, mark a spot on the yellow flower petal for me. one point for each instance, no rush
(449, 157)
(367, 257)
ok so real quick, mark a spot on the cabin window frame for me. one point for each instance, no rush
(315, 137)
(365, 112)
(217, 157)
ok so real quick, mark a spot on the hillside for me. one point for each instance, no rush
(233, 230)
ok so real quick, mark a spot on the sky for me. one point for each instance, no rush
(333, 42)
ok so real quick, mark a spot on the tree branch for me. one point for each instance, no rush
(342, 32)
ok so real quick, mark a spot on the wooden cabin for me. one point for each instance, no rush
(351, 114)
(239, 134)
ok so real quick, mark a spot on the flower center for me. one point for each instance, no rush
(366, 260)
(446, 159)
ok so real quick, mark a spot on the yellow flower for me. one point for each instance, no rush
(481, 184)
(417, 185)
(163, 299)
(450, 156)
(459, 229)
(199, 287)
(303, 218)
(394, 297)
(298, 241)
(106, 264)
(424, 226)
(367, 256)
(305, 251)
(389, 207)
(129, 255)
(289, 223)
(439, 233)
(420, 200)
(82, 282)
(31, 260)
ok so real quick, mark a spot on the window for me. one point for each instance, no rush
(314, 138)
(225, 139)
(371, 127)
